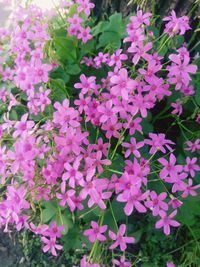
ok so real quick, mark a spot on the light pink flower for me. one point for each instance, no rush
(120, 239)
(96, 232)
(166, 221)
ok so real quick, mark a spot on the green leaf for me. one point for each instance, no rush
(73, 69)
(109, 38)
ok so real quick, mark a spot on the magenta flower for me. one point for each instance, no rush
(86, 84)
(100, 146)
(55, 230)
(132, 148)
(122, 262)
(121, 84)
(191, 167)
(107, 111)
(117, 58)
(166, 221)
(179, 70)
(23, 126)
(170, 264)
(73, 174)
(169, 167)
(190, 190)
(66, 197)
(120, 239)
(140, 19)
(133, 200)
(193, 146)
(178, 109)
(50, 244)
(111, 127)
(139, 50)
(84, 34)
(176, 25)
(157, 142)
(133, 125)
(156, 203)
(85, 6)
(175, 203)
(96, 232)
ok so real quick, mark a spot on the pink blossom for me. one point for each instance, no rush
(190, 190)
(132, 148)
(191, 167)
(133, 200)
(111, 127)
(176, 25)
(23, 126)
(166, 221)
(50, 244)
(193, 146)
(156, 202)
(121, 84)
(96, 232)
(120, 239)
(169, 167)
(84, 34)
(117, 58)
(157, 142)
(85, 6)
(178, 109)
(139, 50)
(122, 262)
(140, 19)
(170, 264)
(86, 84)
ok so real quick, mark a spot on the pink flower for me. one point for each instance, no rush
(169, 167)
(170, 264)
(23, 126)
(120, 239)
(166, 221)
(156, 203)
(176, 25)
(132, 148)
(178, 109)
(190, 190)
(139, 50)
(157, 142)
(191, 167)
(85, 6)
(179, 70)
(133, 125)
(175, 203)
(193, 146)
(66, 197)
(96, 232)
(140, 19)
(72, 173)
(122, 262)
(111, 127)
(121, 84)
(84, 34)
(50, 244)
(86, 84)
(100, 146)
(133, 200)
(55, 230)
(107, 111)
(117, 58)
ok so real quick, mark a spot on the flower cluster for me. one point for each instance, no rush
(56, 162)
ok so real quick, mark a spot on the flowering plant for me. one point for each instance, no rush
(99, 126)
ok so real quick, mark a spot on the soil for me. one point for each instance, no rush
(11, 254)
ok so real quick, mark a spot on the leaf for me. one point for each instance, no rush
(73, 69)
(49, 211)
(112, 38)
